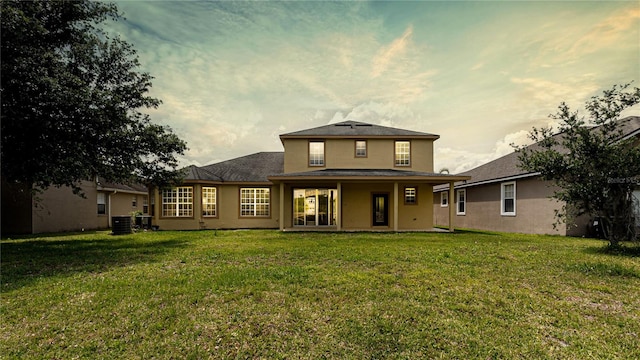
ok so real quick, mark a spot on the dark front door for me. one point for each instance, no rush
(380, 210)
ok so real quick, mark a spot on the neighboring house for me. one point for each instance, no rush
(502, 197)
(58, 209)
(349, 176)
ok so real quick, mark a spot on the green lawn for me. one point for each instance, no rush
(267, 294)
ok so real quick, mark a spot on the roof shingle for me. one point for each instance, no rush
(356, 129)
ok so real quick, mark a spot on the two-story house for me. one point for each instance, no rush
(349, 176)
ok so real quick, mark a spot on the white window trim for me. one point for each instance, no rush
(458, 192)
(396, 154)
(205, 201)
(313, 161)
(502, 199)
(444, 199)
(254, 203)
(365, 149)
(182, 203)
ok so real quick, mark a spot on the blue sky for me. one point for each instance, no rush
(234, 75)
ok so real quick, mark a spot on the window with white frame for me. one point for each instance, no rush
(145, 205)
(254, 202)
(177, 202)
(316, 153)
(209, 201)
(403, 153)
(134, 201)
(508, 199)
(410, 196)
(444, 199)
(461, 208)
(102, 204)
(361, 148)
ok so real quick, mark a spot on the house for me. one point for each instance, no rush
(349, 176)
(502, 197)
(58, 209)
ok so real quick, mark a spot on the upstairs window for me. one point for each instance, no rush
(361, 148)
(403, 153)
(410, 196)
(508, 199)
(316, 153)
(145, 205)
(177, 202)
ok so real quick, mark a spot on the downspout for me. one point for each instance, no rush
(109, 208)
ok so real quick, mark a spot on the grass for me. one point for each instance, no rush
(267, 294)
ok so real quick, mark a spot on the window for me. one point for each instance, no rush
(134, 201)
(361, 148)
(444, 199)
(254, 202)
(508, 199)
(316, 153)
(315, 207)
(102, 204)
(403, 153)
(177, 202)
(153, 205)
(145, 205)
(410, 196)
(462, 202)
(209, 203)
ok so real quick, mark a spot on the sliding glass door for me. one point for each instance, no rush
(315, 207)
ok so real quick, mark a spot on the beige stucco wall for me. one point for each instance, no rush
(58, 209)
(534, 209)
(228, 209)
(340, 153)
(356, 211)
(357, 207)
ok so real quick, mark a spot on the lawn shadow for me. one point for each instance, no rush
(26, 261)
(627, 250)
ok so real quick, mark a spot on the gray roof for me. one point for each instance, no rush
(356, 129)
(507, 167)
(130, 188)
(251, 168)
(361, 172)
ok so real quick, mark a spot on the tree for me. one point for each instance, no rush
(594, 168)
(72, 97)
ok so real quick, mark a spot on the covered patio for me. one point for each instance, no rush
(360, 200)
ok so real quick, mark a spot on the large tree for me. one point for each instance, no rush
(594, 167)
(72, 100)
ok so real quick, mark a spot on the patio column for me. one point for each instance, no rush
(339, 215)
(281, 220)
(395, 206)
(451, 206)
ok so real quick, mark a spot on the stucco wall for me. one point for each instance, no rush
(357, 207)
(58, 209)
(340, 153)
(228, 211)
(534, 209)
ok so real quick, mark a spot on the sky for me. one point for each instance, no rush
(234, 75)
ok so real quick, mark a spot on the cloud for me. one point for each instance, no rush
(608, 31)
(234, 75)
(459, 160)
(387, 55)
